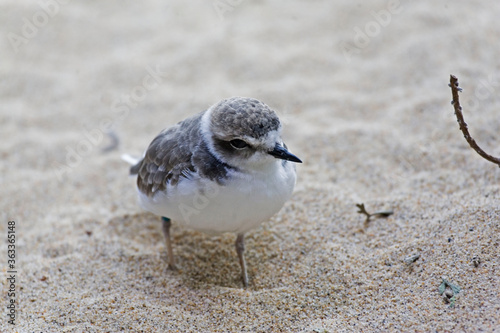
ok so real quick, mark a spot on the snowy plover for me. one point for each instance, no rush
(225, 169)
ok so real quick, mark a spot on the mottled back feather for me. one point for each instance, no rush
(176, 153)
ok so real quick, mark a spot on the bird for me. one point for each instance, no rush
(225, 169)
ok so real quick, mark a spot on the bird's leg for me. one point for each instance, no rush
(240, 249)
(166, 231)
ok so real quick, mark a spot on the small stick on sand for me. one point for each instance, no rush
(115, 142)
(463, 126)
(362, 210)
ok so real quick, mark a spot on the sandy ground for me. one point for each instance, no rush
(362, 90)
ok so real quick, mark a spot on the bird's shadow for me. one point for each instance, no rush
(201, 259)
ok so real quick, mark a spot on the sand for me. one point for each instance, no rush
(362, 91)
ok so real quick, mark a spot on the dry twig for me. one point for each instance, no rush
(463, 126)
(362, 210)
(115, 142)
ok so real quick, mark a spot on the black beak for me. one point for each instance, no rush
(282, 153)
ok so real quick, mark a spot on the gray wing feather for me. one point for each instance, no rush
(178, 153)
(168, 157)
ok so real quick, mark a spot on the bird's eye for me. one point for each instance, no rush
(238, 144)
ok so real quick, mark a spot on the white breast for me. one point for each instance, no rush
(245, 201)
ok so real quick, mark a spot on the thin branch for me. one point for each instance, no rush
(115, 142)
(362, 210)
(463, 126)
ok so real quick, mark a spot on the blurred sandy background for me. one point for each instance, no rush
(362, 90)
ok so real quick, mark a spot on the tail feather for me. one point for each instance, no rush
(134, 162)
